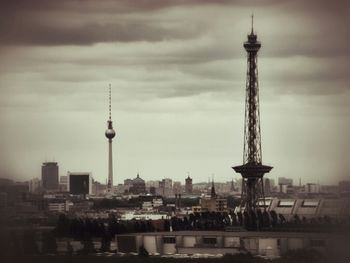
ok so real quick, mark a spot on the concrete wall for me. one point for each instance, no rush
(150, 244)
(231, 242)
(189, 241)
(169, 249)
(251, 244)
(295, 243)
(268, 247)
(258, 243)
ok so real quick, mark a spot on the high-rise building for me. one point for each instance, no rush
(49, 176)
(252, 170)
(188, 185)
(312, 188)
(344, 186)
(79, 183)
(285, 181)
(232, 188)
(63, 183)
(214, 203)
(165, 187)
(110, 134)
(267, 186)
(177, 187)
(34, 185)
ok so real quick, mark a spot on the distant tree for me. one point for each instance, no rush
(143, 252)
(266, 219)
(49, 243)
(70, 250)
(15, 245)
(30, 246)
(105, 243)
(260, 219)
(282, 218)
(296, 219)
(240, 218)
(234, 219)
(63, 226)
(274, 218)
(88, 245)
(246, 220)
(166, 225)
(253, 220)
(149, 226)
(327, 220)
(303, 256)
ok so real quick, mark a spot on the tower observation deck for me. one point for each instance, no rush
(252, 170)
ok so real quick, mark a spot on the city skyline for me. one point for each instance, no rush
(178, 79)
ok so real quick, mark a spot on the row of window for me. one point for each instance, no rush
(206, 240)
(213, 241)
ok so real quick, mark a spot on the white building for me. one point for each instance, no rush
(268, 244)
(34, 185)
(61, 207)
(143, 216)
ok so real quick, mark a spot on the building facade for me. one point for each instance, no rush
(79, 183)
(49, 176)
(188, 185)
(268, 244)
(138, 185)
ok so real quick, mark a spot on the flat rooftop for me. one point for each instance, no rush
(233, 233)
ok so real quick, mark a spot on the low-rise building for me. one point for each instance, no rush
(268, 244)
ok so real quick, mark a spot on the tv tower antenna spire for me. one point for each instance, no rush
(252, 170)
(110, 102)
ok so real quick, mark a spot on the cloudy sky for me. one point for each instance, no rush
(177, 70)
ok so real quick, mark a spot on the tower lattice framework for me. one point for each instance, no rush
(252, 170)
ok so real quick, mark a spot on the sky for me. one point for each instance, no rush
(178, 72)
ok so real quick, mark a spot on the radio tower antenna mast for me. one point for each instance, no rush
(252, 170)
(110, 134)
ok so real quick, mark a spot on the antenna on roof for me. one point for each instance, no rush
(252, 23)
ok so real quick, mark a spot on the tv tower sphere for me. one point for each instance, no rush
(110, 132)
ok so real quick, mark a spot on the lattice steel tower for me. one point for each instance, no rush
(110, 134)
(252, 170)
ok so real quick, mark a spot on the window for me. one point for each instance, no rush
(310, 203)
(317, 243)
(209, 240)
(169, 240)
(286, 203)
(261, 203)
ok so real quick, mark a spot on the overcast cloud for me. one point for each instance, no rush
(178, 72)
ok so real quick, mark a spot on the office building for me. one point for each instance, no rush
(49, 176)
(188, 185)
(79, 183)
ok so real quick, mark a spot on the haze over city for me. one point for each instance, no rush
(177, 71)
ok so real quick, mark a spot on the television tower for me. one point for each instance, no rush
(252, 170)
(110, 134)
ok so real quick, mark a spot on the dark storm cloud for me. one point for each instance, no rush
(46, 34)
(35, 22)
(118, 6)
